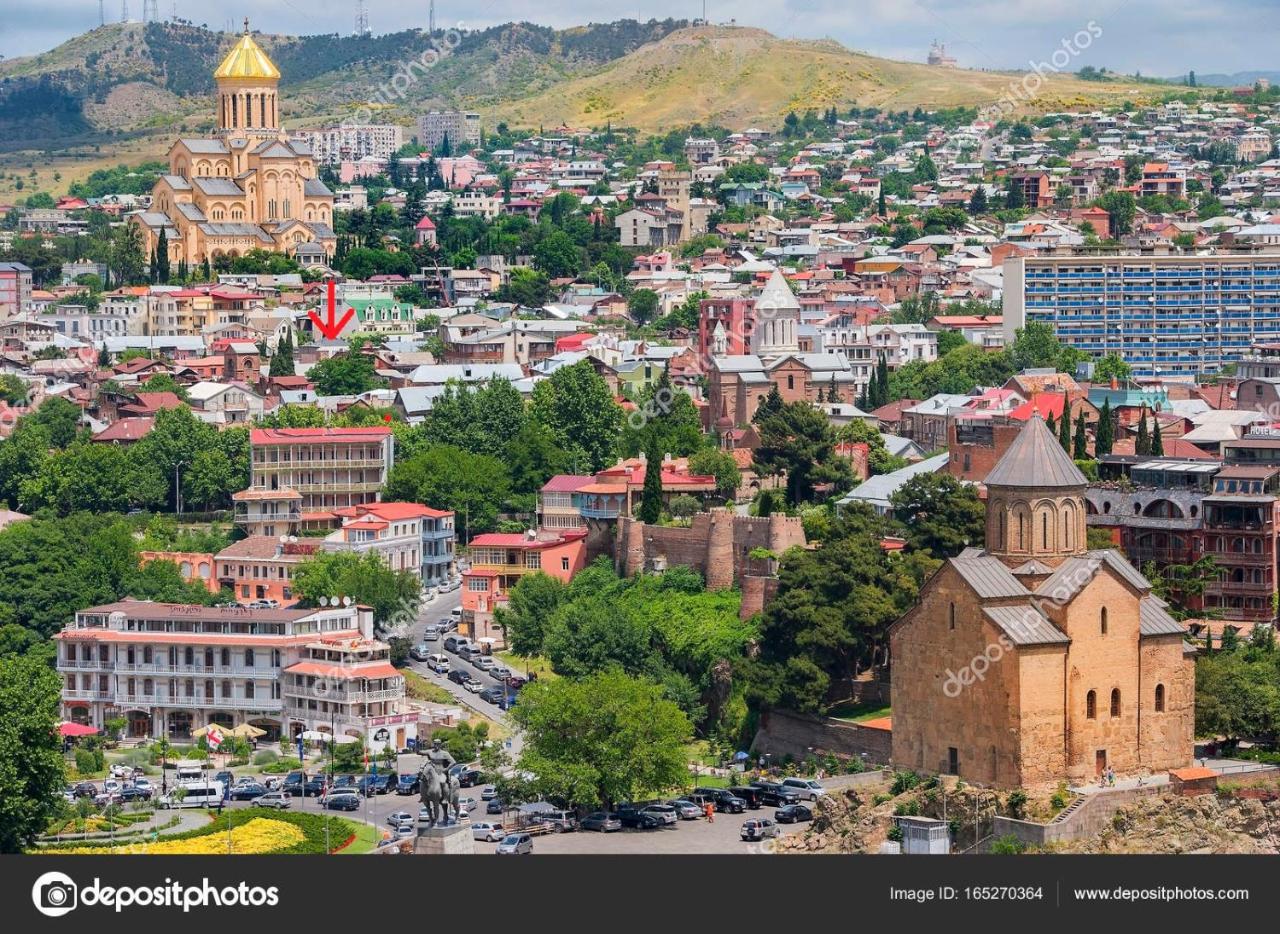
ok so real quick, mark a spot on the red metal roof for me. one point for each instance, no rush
(345, 672)
(294, 435)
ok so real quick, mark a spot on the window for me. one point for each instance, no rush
(1115, 702)
(1103, 621)
(1091, 705)
(791, 381)
(1159, 698)
(564, 564)
(952, 617)
(953, 760)
(248, 658)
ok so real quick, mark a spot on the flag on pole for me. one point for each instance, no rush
(214, 738)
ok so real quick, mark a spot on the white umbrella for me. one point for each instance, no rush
(315, 736)
(343, 739)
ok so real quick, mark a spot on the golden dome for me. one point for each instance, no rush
(247, 60)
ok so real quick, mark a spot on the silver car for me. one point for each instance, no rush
(515, 844)
(806, 788)
(663, 812)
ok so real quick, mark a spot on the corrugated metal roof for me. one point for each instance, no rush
(1122, 567)
(989, 577)
(1154, 621)
(1024, 625)
(1036, 459)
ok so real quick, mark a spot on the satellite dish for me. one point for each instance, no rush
(334, 601)
(293, 539)
(346, 601)
(284, 539)
(324, 601)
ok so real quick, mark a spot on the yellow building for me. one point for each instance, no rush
(247, 188)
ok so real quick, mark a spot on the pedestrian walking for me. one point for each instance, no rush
(710, 811)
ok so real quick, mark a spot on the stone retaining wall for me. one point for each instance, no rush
(784, 733)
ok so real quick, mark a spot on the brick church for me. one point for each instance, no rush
(1035, 660)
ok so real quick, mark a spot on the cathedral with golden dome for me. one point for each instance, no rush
(249, 187)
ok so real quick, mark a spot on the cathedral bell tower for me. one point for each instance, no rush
(248, 91)
(1035, 501)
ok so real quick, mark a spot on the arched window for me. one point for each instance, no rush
(226, 658)
(1020, 538)
(1091, 705)
(1044, 531)
(189, 656)
(1159, 698)
(953, 616)
(1103, 620)
(248, 658)
(1115, 702)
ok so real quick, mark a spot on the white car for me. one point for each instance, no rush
(488, 832)
(475, 686)
(399, 820)
(484, 662)
(488, 793)
(807, 788)
(272, 799)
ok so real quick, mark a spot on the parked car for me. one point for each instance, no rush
(293, 784)
(456, 613)
(474, 685)
(438, 663)
(344, 781)
(447, 624)
(806, 788)
(143, 783)
(776, 794)
(380, 784)
(85, 790)
(398, 819)
(483, 662)
(272, 799)
(748, 793)
(602, 821)
(407, 784)
(515, 844)
(722, 800)
(488, 832)
(454, 643)
(133, 793)
(494, 806)
(558, 821)
(488, 793)
(516, 682)
(248, 792)
(637, 819)
(663, 812)
(314, 787)
(104, 798)
(342, 801)
(431, 633)
(420, 652)
(793, 814)
(459, 676)
(759, 828)
(500, 673)
(686, 809)
(466, 805)
(493, 695)
(467, 775)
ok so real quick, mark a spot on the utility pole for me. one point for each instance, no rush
(124, 11)
(102, 13)
(431, 19)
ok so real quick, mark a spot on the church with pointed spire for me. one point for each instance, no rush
(1035, 660)
(247, 187)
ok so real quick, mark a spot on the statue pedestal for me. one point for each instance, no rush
(454, 840)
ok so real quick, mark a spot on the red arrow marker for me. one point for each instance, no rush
(334, 326)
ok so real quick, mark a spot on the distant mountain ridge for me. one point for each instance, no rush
(1239, 79)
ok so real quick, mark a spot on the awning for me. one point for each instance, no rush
(77, 729)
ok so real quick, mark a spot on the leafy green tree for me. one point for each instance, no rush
(557, 255)
(575, 405)
(474, 486)
(799, 442)
(651, 496)
(1110, 367)
(482, 420)
(942, 516)
(1157, 442)
(642, 305)
(593, 633)
(602, 739)
(533, 458)
(32, 775)
(345, 374)
(713, 462)
(60, 418)
(1122, 208)
(365, 578)
(530, 288)
(1237, 694)
(282, 360)
(879, 460)
(530, 605)
(1064, 428)
(13, 390)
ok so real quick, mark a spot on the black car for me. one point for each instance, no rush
(493, 695)
(343, 803)
(494, 806)
(636, 819)
(723, 800)
(776, 795)
(381, 784)
(292, 784)
(407, 784)
(748, 793)
(314, 787)
(133, 793)
(458, 676)
(793, 814)
(467, 776)
(344, 781)
(85, 790)
(248, 792)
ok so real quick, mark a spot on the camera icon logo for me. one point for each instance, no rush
(55, 894)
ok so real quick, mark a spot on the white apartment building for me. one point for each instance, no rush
(461, 127)
(331, 145)
(476, 204)
(170, 669)
(406, 536)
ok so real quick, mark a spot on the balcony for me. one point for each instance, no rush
(85, 664)
(211, 671)
(234, 701)
(602, 511)
(244, 513)
(338, 486)
(338, 696)
(87, 694)
(357, 463)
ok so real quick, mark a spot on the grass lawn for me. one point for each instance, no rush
(858, 713)
(419, 688)
(523, 664)
(367, 839)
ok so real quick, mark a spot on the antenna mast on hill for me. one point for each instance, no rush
(431, 19)
(362, 19)
(102, 13)
(150, 11)
(124, 11)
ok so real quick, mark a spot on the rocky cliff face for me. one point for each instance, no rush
(1204, 824)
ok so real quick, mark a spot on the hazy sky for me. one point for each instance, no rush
(1157, 37)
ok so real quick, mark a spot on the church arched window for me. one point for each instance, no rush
(1115, 702)
(1103, 621)
(1091, 705)
(1159, 698)
(952, 616)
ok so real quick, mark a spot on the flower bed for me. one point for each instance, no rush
(281, 833)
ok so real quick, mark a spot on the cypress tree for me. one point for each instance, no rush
(881, 208)
(1157, 443)
(1064, 428)
(1106, 431)
(832, 394)
(162, 258)
(1052, 424)
(1081, 448)
(1142, 444)
(651, 497)
(863, 402)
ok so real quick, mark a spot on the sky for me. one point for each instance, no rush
(1155, 37)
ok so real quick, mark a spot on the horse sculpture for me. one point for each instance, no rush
(438, 793)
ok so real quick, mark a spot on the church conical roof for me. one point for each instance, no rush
(777, 294)
(1036, 459)
(247, 60)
